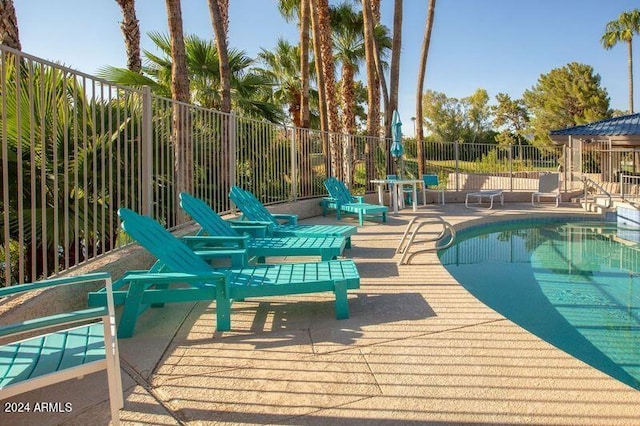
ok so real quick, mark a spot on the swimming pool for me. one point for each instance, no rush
(573, 283)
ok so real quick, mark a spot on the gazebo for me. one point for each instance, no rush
(602, 149)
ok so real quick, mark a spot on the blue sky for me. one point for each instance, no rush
(498, 45)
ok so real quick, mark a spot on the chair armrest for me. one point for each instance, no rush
(61, 318)
(208, 241)
(52, 282)
(358, 198)
(53, 320)
(239, 257)
(291, 219)
(255, 230)
(172, 277)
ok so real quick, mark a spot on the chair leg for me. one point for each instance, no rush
(348, 244)
(384, 217)
(131, 310)
(361, 218)
(223, 309)
(342, 302)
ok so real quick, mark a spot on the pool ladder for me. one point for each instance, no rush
(410, 233)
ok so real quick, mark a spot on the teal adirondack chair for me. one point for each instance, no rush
(217, 232)
(253, 210)
(341, 200)
(178, 264)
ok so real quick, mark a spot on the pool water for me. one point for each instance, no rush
(574, 284)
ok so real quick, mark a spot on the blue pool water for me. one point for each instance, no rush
(574, 284)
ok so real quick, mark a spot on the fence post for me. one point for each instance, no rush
(233, 143)
(457, 159)
(511, 167)
(294, 164)
(146, 153)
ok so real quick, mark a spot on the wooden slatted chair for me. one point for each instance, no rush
(177, 264)
(284, 225)
(62, 346)
(341, 200)
(217, 232)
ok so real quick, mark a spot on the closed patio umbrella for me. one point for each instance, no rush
(396, 133)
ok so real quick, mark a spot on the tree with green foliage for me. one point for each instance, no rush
(565, 97)
(478, 113)
(462, 120)
(622, 30)
(443, 116)
(250, 89)
(512, 117)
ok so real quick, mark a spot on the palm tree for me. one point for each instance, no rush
(421, 73)
(348, 44)
(223, 55)
(373, 110)
(328, 69)
(623, 29)
(9, 25)
(394, 78)
(249, 90)
(322, 95)
(282, 67)
(183, 153)
(305, 74)
(130, 27)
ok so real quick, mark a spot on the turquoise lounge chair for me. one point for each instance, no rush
(221, 233)
(341, 200)
(253, 210)
(48, 349)
(178, 264)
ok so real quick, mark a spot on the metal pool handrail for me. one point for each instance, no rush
(412, 231)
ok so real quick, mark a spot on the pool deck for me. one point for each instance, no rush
(417, 348)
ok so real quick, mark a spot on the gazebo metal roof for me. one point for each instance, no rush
(624, 129)
(617, 126)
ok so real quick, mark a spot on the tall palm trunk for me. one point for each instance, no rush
(394, 78)
(630, 50)
(223, 55)
(322, 97)
(130, 27)
(348, 117)
(304, 63)
(223, 7)
(9, 25)
(421, 74)
(183, 154)
(373, 107)
(328, 69)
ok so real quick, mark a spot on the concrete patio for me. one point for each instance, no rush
(417, 349)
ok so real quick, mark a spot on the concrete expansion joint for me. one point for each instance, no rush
(147, 386)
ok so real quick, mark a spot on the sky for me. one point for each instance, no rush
(498, 45)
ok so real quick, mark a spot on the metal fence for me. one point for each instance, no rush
(471, 167)
(75, 148)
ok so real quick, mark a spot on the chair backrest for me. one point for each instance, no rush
(392, 177)
(206, 217)
(250, 206)
(161, 243)
(430, 180)
(549, 182)
(338, 190)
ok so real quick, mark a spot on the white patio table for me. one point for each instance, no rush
(395, 192)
